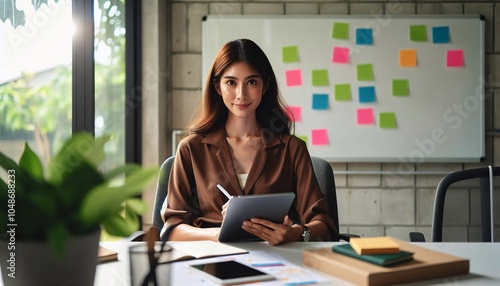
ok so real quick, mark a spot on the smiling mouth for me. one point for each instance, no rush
(241, 106)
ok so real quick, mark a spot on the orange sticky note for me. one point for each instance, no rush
(365, 115)
(293, 77)
(319, 136)
(408, 58)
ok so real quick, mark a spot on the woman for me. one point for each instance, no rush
(240, 138)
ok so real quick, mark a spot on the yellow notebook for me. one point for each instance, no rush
(374, 245)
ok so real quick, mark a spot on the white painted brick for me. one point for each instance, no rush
(225, 8)
(402, 9)
(493, 70)
(195, 15)
(360, 207)
(397, 207)
(363, 180)
(301, 8)
(440, 8)
(179, 27)
(455, 234)
(367, 8)
(340, 180)
(333, 8)
(397, 178)
(367, 231)
(496, 150)
(425, 206)
(184, 102)
(186, 71)
(399, 232)
(456, 207)
(485, 9)
(433, 180)
(263, 9)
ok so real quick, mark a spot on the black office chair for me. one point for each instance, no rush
(322, 169)
(437, 220)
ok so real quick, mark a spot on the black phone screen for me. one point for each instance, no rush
(228, 270)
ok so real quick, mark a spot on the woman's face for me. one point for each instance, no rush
(241, 88)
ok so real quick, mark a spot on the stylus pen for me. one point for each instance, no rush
(224, 191)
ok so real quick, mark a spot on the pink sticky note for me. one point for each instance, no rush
(365, 115)
(455, 58)
(293, 77)
(340, 55)
(319, 136)
(295, 113)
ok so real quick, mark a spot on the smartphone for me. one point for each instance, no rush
(230, 272)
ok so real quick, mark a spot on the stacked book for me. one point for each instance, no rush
(383, 261)
(383, 251)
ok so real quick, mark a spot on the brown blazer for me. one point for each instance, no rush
(203, 161)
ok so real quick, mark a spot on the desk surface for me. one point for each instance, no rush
(484, 262)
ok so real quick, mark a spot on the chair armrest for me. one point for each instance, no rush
(136, 236)
(346, 236)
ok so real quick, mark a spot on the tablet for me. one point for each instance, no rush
(230, 272)
(273, 207)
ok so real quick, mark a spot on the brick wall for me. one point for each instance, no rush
(373, 198)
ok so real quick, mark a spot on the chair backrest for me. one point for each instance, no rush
(161, 190)
(442, 188)
(322, 169)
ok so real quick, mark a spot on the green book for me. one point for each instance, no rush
(379, 259)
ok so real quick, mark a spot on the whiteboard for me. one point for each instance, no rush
(438, 118)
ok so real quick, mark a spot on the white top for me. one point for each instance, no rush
(242, 179)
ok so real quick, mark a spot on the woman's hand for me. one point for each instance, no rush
(224, 209)
(271, 232)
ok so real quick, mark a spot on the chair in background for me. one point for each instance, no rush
(486, 216)
(322, 169)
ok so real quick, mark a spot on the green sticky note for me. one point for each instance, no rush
(342, 92)
(340, 31)
(303, 138)
(387, 119)
(290, 54)
(320, 77)
(365, 72)
(400, 87)
(418, 33)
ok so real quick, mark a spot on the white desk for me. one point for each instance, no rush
(484, 262)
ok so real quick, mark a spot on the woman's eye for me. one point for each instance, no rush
(252, 82)
(230, 82)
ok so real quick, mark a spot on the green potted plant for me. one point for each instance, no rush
(51, 217)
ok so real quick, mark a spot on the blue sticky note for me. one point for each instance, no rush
(364, 36)
(366, 94)
(320, 101)
(441, 35)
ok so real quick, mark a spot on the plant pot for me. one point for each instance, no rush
(34, 263)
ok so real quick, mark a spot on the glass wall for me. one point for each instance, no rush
(35, 76)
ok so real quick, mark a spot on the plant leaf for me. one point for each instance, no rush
(136, 205)
(121, 226)
(103, 201)
(31, 163)
(57, 236)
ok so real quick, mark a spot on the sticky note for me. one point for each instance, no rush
(366, 94)
(455, 58)
(418, 33)
(320, 101)
(293, 77)
(340, 55)
(340, 31)
(319, 136)
(408, 58)
(295, 113)
(364, 36)
(303, 138)
(342, 92)
(387, 119)
(400, 87)
(365, 115)
(364, 72)
(290, 54)
(441, 35)
(320, 77)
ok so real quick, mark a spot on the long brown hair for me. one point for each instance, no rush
(211, 113)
